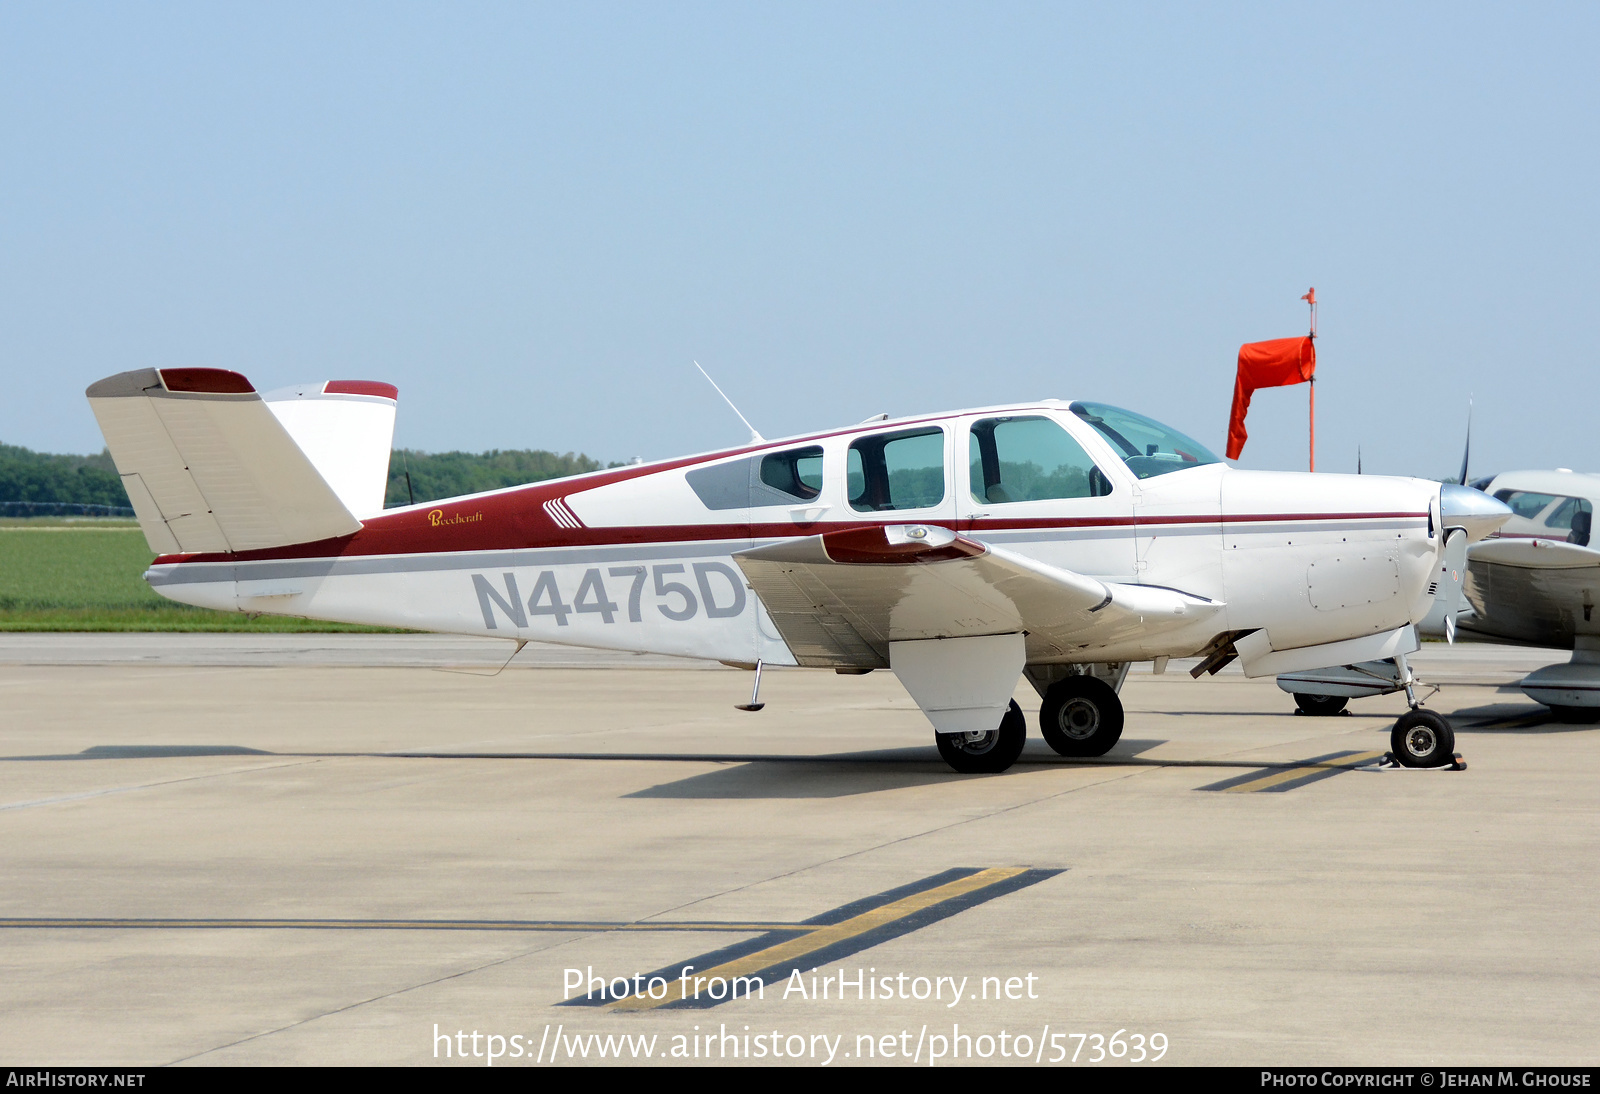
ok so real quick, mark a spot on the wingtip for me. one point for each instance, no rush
(124, 384)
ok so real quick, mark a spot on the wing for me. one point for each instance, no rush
(1533, 590)
(1535, 554)
(841, 597)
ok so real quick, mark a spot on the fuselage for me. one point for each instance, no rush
(642, 557)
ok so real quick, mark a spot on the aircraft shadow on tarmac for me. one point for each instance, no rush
(1512, 718)
(150, 752)
(846, 774)
(745, 776)
(776, 776)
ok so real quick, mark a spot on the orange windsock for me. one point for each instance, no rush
(1277, 363)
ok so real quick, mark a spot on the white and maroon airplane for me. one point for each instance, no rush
(1054, 540)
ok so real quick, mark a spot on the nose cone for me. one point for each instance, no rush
(1477, 512)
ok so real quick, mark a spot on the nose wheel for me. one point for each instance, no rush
(1422, 738)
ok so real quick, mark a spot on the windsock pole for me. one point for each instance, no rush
(1311, 299)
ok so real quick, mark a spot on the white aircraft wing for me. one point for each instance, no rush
(839, 598)
(1532, 590)
(207, 465)
(1536, 554)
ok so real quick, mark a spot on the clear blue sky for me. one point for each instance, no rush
(531, 217)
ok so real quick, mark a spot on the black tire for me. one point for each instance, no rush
(986, 753)
(1081, 716)
(1578, 716)
(1319, 706)
(1422, 738)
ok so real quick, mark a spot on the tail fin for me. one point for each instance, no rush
(346, 430)
(209, 467)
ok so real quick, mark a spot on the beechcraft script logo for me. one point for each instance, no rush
(436, 518)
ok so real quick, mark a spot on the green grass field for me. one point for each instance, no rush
(61, 574)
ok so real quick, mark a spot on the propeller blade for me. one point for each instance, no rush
(1455, 561)
(1466, 451)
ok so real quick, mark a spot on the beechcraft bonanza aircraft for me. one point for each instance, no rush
(1535, 582)
(1053, 540)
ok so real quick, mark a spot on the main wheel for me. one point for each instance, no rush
(1319, 706)
(986, 753)
(1081, 716)
(1422, 738)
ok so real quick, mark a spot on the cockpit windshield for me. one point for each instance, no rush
(1147, 447)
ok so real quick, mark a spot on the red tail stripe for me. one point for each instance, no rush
(207, 381)
(361, 387)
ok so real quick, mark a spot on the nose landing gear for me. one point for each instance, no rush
(1421, 737)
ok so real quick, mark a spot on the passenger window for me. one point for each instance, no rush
(1561, 515)
(1574, 517)
(1524, 504)
(896, 471)
(797, 473)
(1029, 459)
(780, 478)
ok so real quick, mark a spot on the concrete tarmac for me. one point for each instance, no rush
(347, 848)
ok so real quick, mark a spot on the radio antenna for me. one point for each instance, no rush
(755, 438)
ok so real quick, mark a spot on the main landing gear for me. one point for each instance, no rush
(1081, 716)
(1320, 706)
(1421, 737)
(986, 753)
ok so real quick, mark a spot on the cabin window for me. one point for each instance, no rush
(778, 478)
(1029, 459)
(1567, 514)
(902, 470)
(1577, 516)
(1567, 518)
(1524, 504)
(796, 473)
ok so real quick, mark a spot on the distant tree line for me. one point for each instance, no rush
(447, 474)
(43, 479)
(27, 476)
